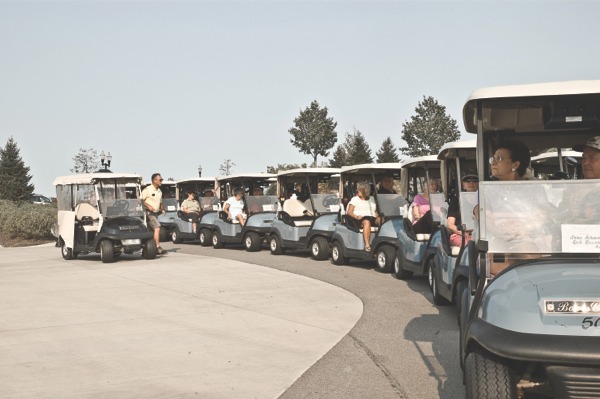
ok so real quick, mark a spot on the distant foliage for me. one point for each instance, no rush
(314, 132)
(387, 153)
(284, 166)
(27, 221)
(86, 161)
(226, 167)
(354, 151)
(339, 157)
(14, 175)
(429, 129)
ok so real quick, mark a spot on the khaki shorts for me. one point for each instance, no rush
(152, 221)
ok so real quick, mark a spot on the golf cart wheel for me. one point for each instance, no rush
(162, 237)
(438, 299)
(319, 248)
(275, 245)
(67, 253)
(488, 377)
(399, 271)
(175, 236)
(430, 274)
(252, 241)
(337, 256)
(205, 238)
(385, 258)
(107, 252)
(460, 287)
(216, 240)
(151, 250)
(463, 319)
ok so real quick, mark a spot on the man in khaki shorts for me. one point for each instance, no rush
(152, 197)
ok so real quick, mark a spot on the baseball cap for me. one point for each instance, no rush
(470, 173)
(594, 142)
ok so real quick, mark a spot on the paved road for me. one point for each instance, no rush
(402, 347)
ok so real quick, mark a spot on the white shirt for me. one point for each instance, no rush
(364, 207)
(235, 207)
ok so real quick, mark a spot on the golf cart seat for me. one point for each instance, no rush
(86, 213)
(454, 251)
(296, 213)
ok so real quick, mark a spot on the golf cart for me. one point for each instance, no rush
(347, 240)
(415, 249)
(449, 274)
(310, 208)
(530, 319)
(96, 215)
(557, 165)
(260, 204)
(182, 228)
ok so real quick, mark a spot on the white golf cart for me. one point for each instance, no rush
(97, 212)
(557, 165)
(203, 187)
(530, 319)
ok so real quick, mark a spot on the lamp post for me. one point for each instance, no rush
(105, 160)
(199, 170)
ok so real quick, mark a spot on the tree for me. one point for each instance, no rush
(314, 133)
(339, 157)
(387, 152)
(357, 149)
(226, 167)
(429, 129)
(86, 161)
(284, 166)
(14, 174)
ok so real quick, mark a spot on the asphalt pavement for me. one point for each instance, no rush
(403, 346)
(178, 326)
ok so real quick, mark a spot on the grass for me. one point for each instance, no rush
(23, 224)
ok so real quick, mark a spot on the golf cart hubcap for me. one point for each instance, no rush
(248, 242)
(397, 265)
(430, 275)
(381, 259)
(273, 244)
(315, 249)
(215, 240)
(334, 253)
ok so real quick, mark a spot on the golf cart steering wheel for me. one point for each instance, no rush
(331, 200)
(123, 205)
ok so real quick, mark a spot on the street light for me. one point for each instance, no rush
(105, 160)
(199, 170)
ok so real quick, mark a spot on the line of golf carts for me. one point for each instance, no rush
(519, 258)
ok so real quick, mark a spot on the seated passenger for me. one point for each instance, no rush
(190, 209)
(510, 161)
(469, 183)
(386, 185)
(363, 208)
(590, 160)
(234, 207)
(421, 209)
(256, 206)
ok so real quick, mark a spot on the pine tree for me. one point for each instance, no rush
(387, 152)
(429, 129)
(357, 149)
(14, 175)
(339, 158)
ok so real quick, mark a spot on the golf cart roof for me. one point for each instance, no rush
(455, 148)
(196, 180)
(535, 107)
(427, 161)
(371, 167)
(246, 176)
(309, 171)
(552, 155)
(91, 178)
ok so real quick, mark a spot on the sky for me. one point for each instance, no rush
(167, 86)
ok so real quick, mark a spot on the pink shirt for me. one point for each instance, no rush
(422, 203)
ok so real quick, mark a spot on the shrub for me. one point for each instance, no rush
(23, 220)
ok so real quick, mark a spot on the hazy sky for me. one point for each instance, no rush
(165, 86)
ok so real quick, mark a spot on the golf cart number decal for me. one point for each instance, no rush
(572, 307)
(590, 322)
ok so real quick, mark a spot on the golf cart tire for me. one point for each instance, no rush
(175, 236)
(337, 256)
(385, 258)
(217, 241)
(488, 377)
(429, 274)
(275, 245)
(460, 287)
(162, 237)
(319, 248)
(151, 249)
(399, 272)
(107, 251)
(438, 299)
(252, 241)
(205, 238)
(67, 253)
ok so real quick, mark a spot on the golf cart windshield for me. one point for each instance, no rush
(113, 201)
(390, 204)
(261, 203)
(541, 216)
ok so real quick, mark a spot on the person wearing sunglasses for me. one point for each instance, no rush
(469, 183)
(152, 199)
(510, 161)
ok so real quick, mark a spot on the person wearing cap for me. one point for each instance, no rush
(469, 183)
(152, 199)
(590, 160)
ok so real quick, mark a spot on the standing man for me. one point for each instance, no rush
(152, 198)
